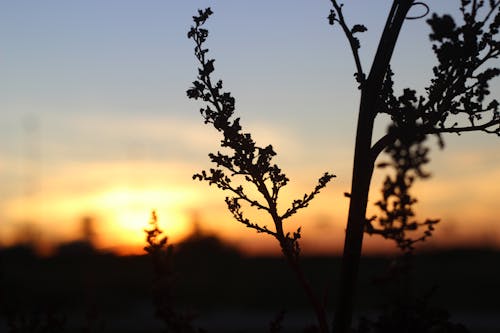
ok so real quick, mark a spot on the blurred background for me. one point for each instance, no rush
(95, 123)
(96, 131)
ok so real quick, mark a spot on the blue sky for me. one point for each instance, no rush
(92, 97)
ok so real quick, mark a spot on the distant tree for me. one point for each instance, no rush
(455, 101)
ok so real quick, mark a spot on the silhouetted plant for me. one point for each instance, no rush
(163, 285)
(245, 159)
(455, 101)
(457, 92)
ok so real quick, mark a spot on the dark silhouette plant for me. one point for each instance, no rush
(161, 254)
(244, 159)
(455, 101)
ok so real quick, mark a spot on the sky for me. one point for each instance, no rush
(95, 122)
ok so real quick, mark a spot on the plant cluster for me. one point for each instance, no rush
(455, 101)
(457, 93)
(244, 159)
(161, 254)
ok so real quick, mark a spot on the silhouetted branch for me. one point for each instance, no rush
(399, 233)
(336, 15)
(486, 127)
(387, 43)
(493, 5)
(244, 159)
(381, 144)
(456, 89)
(235, 208)
(304, 202)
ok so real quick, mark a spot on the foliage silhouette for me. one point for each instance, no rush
(161, 254)
(459, 89)
(248, 161)
(455, 101)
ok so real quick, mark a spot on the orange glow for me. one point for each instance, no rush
(120, 196)
(121, 214)
(129, 210)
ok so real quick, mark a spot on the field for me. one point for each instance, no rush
(83, 290)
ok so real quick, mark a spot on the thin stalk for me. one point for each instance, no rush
(294, 263)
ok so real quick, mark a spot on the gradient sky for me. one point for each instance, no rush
(94, 119)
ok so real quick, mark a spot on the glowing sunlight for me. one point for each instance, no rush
(128, 211)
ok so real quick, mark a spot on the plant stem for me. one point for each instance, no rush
(362, 172)
(318, 307)
(292, 259)
(363, 165)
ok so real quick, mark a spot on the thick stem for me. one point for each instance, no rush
(363, 166)
(362, 173)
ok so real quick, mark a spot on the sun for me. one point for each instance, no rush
(120, 213)
(128, 212)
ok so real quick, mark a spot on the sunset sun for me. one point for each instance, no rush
(128, 212)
